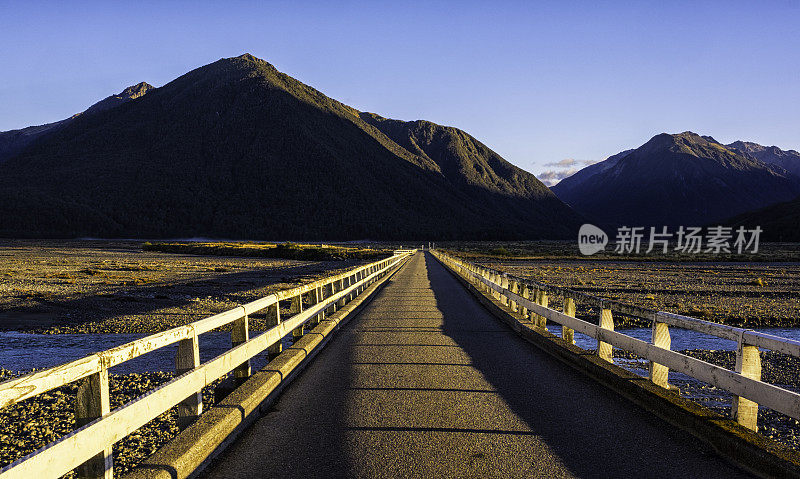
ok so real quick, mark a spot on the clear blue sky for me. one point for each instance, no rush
(537, 82)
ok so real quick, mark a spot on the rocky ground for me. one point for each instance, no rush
(740, 294)
(776, 368)
(35, 422)
(116, 287)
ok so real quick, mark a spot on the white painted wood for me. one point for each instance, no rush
(661, 338)
(568, 334)
(504, 286)
(93, 401)
(544, 301)
(513, 286)
(748, 364)
(297, 306)
(605, 350)
(24, 387)
(240, 333)
(188, 359)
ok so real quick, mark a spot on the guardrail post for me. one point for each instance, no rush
(314, 297)
(93, 401)
(659, 374)
(567, 334)
(351, 280)
(340, 287)
(504, 286)
(748, 364)
(605, 350)
(240, 333)
(274, 319)
(332, 285)
(525, 293)
(297, 307)
(534, 296)
(543, 301)
(188, 358)
(513, 286)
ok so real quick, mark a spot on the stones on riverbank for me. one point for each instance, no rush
(776, 368)
(63, 287)
(751, 295)
(35, 422)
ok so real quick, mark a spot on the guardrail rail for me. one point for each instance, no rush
(530, 298)
(88, 448)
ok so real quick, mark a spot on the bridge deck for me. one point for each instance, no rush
(426, 383)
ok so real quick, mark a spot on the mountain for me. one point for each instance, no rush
(570, 185)
(131, 93)
(470, 166)
(789, 160)
(681, 179)
(14, 141)
(237, 149)
(780, 222)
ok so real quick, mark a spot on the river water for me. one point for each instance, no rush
(681, 338)
(23, 352)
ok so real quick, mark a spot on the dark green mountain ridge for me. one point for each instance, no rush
(14, 141)
(237, 149)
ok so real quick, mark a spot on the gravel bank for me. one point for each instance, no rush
(37, 421)
(776, 368)
(739, 294)
(115, 287)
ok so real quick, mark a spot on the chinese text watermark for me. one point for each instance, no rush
(662, 240)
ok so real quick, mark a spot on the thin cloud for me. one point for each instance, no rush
(569, 163)
(551, 177)
(561, 169)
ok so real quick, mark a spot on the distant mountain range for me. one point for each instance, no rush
(14, 141)
(789, 160)
(682, 179)
(237, 149)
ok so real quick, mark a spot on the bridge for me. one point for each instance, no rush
(423, 365)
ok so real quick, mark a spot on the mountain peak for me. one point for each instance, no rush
(249, 59)
(240, 125)
(688, 143)
(135, 91)
(786, 159)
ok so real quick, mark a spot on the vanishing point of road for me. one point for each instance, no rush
(424, 382)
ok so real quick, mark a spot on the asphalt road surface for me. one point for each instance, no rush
(424, 382)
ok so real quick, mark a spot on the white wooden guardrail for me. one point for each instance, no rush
(531, 298)
(88, 448)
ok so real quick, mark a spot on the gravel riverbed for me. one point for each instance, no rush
(35, 422)
(59, 287)
(752, 295)
(776, 368)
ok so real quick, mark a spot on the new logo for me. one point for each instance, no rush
(591, 239)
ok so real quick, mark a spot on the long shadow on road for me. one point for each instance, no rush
(443, 389)
(594, 432)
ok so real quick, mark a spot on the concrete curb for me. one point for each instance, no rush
(742, 447)
(194, 448)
